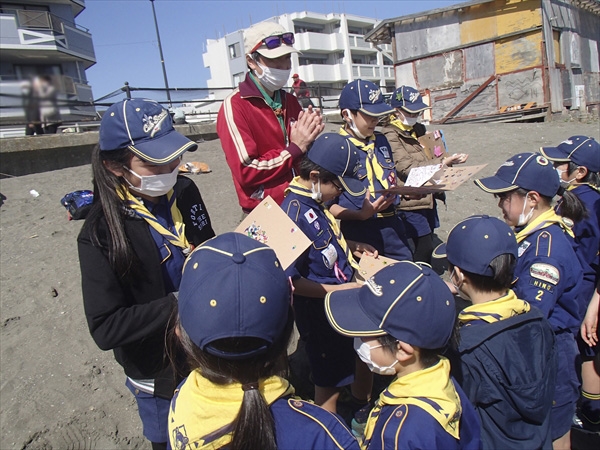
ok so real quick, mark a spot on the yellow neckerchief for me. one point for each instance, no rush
(297, 188)
(374, 169)
(175, 237)
(433, 384)
(542, 221)
(496, 310)
(395, 122)
(203, 411)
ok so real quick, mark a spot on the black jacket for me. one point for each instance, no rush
(131, 316)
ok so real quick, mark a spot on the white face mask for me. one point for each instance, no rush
(272, 79)
(154, 185)
(352, 125)
(316, 194)
(363, 350)
(524, 219)
(564, 183)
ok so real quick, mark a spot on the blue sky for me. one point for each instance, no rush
(127, 48)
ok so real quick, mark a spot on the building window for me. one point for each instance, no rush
(237, 78)
(235, 51)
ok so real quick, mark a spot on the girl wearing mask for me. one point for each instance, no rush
(402, 131)
(548, 274)
(143, 223)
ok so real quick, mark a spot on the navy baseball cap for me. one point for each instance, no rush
(364, 96)
(409, 99)
(582, 150)
(233, 286)
(334, 153)
(474, 243)
(408, 301)
(530, 171)
(144, 127)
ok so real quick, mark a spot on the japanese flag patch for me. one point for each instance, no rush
(545, 272)
(310, 215)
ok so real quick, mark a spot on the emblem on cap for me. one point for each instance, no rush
(541, 161)
(374, 95)
(413, 96)
(375, 288)
(152, 124)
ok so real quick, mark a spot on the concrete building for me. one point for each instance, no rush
(498, 59)
(40, 37)
(333, 52)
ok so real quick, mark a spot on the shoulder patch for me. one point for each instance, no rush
(545, 272)
(310, 215)
(524, 246)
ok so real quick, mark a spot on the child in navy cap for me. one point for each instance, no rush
(144, 221)
(329, 168)
(402, 130)
(401, 320)
(507, 359)
(234, 323)
(548, 274)
(577, 160)
(370, 217)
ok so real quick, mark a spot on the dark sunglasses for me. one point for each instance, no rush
(272, 42)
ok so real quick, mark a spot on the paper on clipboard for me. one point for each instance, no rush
(418, 176)
(269, 224)
(369, 266)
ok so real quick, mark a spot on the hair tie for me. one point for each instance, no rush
(249, 386)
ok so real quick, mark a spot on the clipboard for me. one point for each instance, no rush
(269, 224)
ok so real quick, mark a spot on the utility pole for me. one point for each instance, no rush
(162, 59)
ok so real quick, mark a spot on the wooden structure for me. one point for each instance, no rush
(495, 60)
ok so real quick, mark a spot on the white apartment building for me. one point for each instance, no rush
(332, 53)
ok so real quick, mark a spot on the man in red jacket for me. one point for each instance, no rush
(301, 91)
(262, 128)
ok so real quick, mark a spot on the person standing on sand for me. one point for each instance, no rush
(262, 128)
(143, 223)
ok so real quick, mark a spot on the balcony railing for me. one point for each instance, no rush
(43, 20)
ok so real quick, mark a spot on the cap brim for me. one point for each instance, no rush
(440, 251)
(353, 186)
(164, 149)
(276, 52)
(377, 109)
(494, 185)
(554, 154)
(415, 107)
(346, 316)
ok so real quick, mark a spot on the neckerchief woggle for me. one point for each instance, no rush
(494, 311)
(544, 220)
(374, 169)
(205, 410)
(298, 189)
(430, 389)
(177, 235)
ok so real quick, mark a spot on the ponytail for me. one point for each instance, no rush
(570, 206)
(254, 424)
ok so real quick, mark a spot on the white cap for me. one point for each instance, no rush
(256, 33)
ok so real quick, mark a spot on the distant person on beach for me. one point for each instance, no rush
(31, 108)
(48, 104)
(262, 128)
(235, 335)
(301, 91)
(143, 223)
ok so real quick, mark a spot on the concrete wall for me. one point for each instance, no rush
(34, 154)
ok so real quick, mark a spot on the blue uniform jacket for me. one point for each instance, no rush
(510, 384)
(401, 427)
(549, 276)
(383, 155)
(587, 238)
(318, 262)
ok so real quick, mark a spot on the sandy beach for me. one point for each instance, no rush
(57, 389)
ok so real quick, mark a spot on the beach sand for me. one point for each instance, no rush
(57, 389)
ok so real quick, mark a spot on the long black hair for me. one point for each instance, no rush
(569, 205)
(108, 204)
(254, 427)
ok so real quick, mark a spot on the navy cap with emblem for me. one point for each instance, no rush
(530, 171)
(475, 242)
(582, 150)
(144, 127)
(335, 154)
(409, 99)
(364, 96)
(408, 301)
(233, 287)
